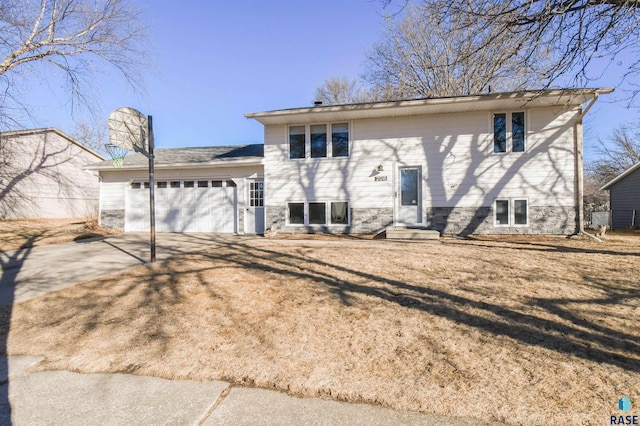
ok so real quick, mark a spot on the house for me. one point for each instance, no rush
(202, 189)
(496, 164)
(41, 176)
(624, 191)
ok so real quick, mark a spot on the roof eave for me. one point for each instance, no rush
(13, 133)
(621, 176)
(424, 106)
(216, 164)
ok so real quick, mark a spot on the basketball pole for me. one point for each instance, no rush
(152, 191)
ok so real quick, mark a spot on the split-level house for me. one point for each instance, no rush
(496, 163)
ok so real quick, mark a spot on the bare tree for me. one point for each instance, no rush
(594, 198)
(616, 154)
(430, 52)
(92, 133)
(342, 90)
(576, 32)
(339, 90)
(70, 38)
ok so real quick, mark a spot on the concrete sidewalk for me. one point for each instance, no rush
(66, 398)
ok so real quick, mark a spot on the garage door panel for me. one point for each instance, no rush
(210, 209)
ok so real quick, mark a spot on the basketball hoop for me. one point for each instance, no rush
(128, 129)
(117, 154)
(132, 131)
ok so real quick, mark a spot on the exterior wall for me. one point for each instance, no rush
(363, 221)
(625, 198)
(480, 220)
(460, 173)
(114, 183)
(41, 176)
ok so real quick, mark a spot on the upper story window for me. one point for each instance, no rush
(340, 139)
(318, 140)
(325, 140)
(509, 132)
(297, 141)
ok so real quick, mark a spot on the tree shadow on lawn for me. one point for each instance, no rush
(158, 291)
(10, 264)
(545, 247)
(617, 348)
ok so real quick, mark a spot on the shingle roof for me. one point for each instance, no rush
(195, 156)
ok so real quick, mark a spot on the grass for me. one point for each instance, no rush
(518, 330)
(19, 234)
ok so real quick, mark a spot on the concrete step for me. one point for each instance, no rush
(412, 234)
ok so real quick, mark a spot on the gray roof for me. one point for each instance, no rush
(196, 156)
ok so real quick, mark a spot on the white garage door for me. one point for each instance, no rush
(182, 206)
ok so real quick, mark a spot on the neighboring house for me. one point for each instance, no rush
(496, 164)
(624, 191)
(41, 176)
(204, 189)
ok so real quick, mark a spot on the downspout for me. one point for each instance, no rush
(580, 173)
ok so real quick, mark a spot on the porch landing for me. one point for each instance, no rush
(399, 233)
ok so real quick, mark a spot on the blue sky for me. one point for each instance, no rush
(214, 61)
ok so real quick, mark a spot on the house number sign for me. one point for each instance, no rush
(380, 178)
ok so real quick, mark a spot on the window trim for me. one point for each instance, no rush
(329, 140)
(509, 131)
(288, 213)
(526, 200)
(308, 205)
(327, 210)
(511, 214)
(304, 146)
(495, 212)
(329, 203)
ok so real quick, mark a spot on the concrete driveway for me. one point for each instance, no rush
(33, 271)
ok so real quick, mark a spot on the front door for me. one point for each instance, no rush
(254, 218)
(409, 196)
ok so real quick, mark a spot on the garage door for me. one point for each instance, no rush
(182, 206)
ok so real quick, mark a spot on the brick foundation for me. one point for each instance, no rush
(448, 220)
(112, 219)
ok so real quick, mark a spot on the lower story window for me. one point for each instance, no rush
(502, 212)
(510, 212)
(340, 213)
(296, 213)
(520, 212)
(318, 213)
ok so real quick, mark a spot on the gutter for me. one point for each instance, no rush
(580, 173)
(219, 164)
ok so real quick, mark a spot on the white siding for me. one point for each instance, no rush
(455, 152)
(42, 177)
(115, 183)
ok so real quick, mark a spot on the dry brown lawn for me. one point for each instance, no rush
(516, 330)
(18, 234)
